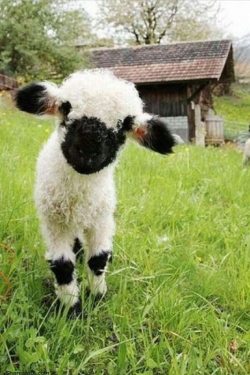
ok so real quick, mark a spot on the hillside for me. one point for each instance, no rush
(242, 58)
(235, 109)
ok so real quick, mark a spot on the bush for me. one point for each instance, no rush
(37, 38)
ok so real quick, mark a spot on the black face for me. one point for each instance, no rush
(89, 145)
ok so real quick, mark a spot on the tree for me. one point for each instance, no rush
(37, 38)
(152, 21)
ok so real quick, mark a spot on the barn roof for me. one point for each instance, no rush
(189, 61)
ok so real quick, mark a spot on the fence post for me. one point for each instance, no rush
(199, 127)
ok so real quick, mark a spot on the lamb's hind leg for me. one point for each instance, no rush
(99, 254)
(62, 259)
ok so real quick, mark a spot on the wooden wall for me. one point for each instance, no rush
(164, 100)
(172, 100)
(204, 98)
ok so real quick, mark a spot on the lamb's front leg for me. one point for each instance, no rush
(99, 244)
(61, 259)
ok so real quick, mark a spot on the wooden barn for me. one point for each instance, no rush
(176, 80)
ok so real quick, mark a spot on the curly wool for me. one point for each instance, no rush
(75, 191)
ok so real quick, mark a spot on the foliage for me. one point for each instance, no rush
(242, 57)
(179, 284)
(153, 21)
(37, 38)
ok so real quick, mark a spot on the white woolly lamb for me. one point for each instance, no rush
(75, 191)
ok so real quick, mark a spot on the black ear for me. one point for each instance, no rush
(32, 98)
(38, 98)
(156, 136)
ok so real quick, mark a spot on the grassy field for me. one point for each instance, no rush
(178, 300)
(235, 109)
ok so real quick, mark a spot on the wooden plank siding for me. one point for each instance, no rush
(172, 78)
(164, 100)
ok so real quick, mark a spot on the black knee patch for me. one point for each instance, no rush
(98, 262)
(63, 270)
(78, 249)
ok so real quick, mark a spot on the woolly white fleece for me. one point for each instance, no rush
(70, 204)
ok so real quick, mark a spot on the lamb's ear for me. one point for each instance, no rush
(38, 98)
(150, 132)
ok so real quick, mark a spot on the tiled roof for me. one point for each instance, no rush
(164, 63)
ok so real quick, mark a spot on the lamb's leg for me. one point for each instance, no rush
(99, 244)
(61, 259)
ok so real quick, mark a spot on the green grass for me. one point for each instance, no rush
(178, 299)
(235, 109)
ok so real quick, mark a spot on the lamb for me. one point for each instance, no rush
(75, 192)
